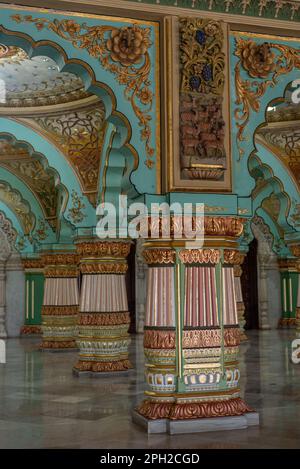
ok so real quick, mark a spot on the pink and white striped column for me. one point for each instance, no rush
(60, 301)
(104, 320)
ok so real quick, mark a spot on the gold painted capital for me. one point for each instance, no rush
(233, 257)
(60, 259)
(103, 267)
(291, 265)
(159, 256)
(103, 249)
(61, 271)
(33, 264)
(200, 256)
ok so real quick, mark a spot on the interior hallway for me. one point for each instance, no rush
(43, 406)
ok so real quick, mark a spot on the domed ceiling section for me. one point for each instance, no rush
(36, 81)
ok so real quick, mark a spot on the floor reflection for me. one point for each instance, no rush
(42, 405)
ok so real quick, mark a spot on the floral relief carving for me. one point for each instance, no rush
(123, 51)
(202, 127)
(75, 213)
(263, 61)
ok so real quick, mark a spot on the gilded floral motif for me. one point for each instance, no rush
(128, 45)
(266, 61)
(121, 51)
(257, 59)
(75, 213)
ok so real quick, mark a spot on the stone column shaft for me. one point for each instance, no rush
(3, 333)
(60, 302)
(192, 333)
(103, 317)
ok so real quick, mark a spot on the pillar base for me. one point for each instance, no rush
(153, 409)
(287, 323)
(89, 367)
(197, 425)
(31, 330)
(58, 346)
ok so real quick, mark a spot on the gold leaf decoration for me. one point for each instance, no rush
(121, 51)
(266, 61)
(75, 213)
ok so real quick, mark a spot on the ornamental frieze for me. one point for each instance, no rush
(288, 10)
(62, 259)
(103, 249)
(200, 256)
(156, 226)
(159, 339)
(103, 268)
(103, 319)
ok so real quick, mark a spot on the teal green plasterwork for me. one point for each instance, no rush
(55, 159)
(80, 62)
(243, 185)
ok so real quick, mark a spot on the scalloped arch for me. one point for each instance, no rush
(121, 140)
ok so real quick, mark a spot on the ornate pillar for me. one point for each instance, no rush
(289, 288)
(3, 333)
(104, 319)
(34, 291)
(192, 335)
(140, 287)
(263, 259)
(60, 301)
(239, 295)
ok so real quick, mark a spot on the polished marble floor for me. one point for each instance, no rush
(42, 405)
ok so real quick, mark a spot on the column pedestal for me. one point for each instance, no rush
(60, 302)
(104, 319)
(192, 336)
(3, 333)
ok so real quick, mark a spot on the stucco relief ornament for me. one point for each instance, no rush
(263, 63)
(121, 51)
(76, 213)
